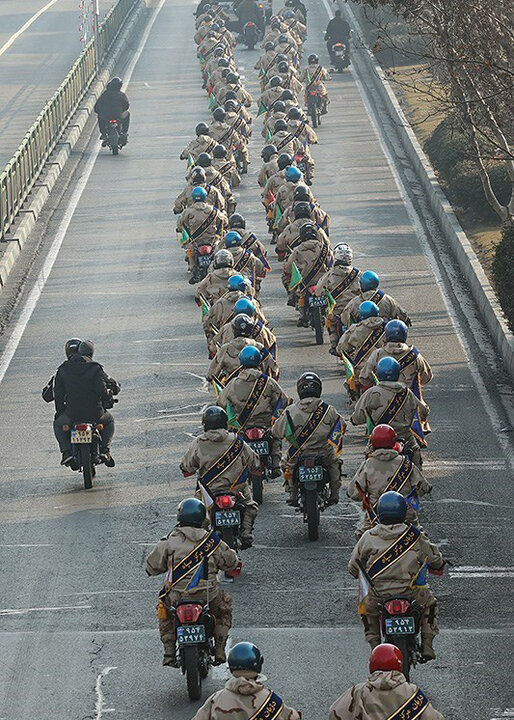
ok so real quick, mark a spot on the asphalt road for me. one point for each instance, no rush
(77, 620)
(36, 62)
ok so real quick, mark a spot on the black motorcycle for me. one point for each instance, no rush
(259, 439)
(310, 478)
(314, 311)
(226, 517)
(115, 139)
(251, 35)
(204, 257)
(86, 442)
(400, 625)
(340, 56)
(195, 643)
(314, 107)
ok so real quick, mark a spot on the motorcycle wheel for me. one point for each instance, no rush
(228, 536)
(312, 512)
(313, 113)
(204, 664)
(317, 324)
(87, 466)
(403, 644)
(257, 489)
(193, 679)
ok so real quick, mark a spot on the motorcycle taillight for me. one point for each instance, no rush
(189, 613)
(255, 433)
(250, 24)
(113, 122)
(204, 249)
(397, 607)
(225, 501)
(81, 426)
(312, 289)
(309, 462)
(313, 93)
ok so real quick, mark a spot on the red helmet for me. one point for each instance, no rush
(386, 657)
(383, 436)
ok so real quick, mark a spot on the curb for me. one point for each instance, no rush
(481, 290)
(55, 165)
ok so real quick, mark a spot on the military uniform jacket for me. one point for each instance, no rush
(214, 284)
(377, 399)
(226, 359)
(199, 144)
(304, 256)
(238, 392)
(334, 278)
(398, 351)
(299, 412)
(352, 341)
(388, 307)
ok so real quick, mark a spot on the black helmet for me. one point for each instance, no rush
(282, 39)
(294, 113)
(214, 417)
(309, 385)
(87, 348)
(114, 83)
(280, 125)
(301, 210)
(202, 129)
(223, 62)
(391, 508)
(275, 81)
(267, 152)
(232, 78)
(284, 160)
(283, 66)
(191, 513)
(225, 72)
(280, 58)
(245, 656)
(278, 106)
(219, 151)
(236, 220)
(287, 95)
(230, 95)
(219, 114)
(71, 347)
(301, 192)
(230, 105)
(242, 325)
(313, 59)
(309, 231)
(269, 46)
(204, 160)
(197, 175)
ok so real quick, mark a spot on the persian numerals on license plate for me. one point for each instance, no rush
(228, 518)
(204, 260)
(317, 301)
(261, 447)
(310, 474)
(190, 634)
(400, 626)
(81, 436)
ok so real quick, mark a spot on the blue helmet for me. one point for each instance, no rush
(236, 282)
(388, 369)
(199, 194)
(245, 656)
(369, 280)
(292, 174)
(232, 239)
(368, 309)
(396, 331)
(250, 356)
(391, 508)
(191, 512)
(245, 306)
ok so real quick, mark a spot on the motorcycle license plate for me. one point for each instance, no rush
(228, 518)
(81, 436)
(400, 626)
(310, 474)
(339, 53)
(190, 634)
(317, 301)
(204, 260)
(261, 447)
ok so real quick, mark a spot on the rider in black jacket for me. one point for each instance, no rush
(338, 30)
(113, 105)
(83, 392)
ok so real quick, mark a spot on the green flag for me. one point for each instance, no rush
(190, 161)
(278, 215)
(369, 425)
(268, 135)
(232, 416)
(348, 368)
(212, 102)
(184, 238)
(262, 109)
(262, 72)
(205, 308)
(289, 434)
(331, 301)
(296, 277)
(217, 387)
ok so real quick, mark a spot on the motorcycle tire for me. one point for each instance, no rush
(227, 534)
(312, 512)
(257, 489)
(192, 671)
(313, 113)
(317, 324)
(204, 664)
(403, 644)
(87, 466)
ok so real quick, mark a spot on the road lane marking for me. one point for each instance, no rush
(100, 700)
(35, 293)
(27, 545)
(480, 571)
(24, 27)
(23, 611)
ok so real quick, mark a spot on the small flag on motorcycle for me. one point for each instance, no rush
(296, 277)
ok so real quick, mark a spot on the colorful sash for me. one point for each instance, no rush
(255, 395)
(396, 483)
(188, 564)
(394, 407)
(223, 463)
(315, 77)
(368, 344)
(320, 262)
(226, 168)
(394, 552)
(408, 358)
(313, 422)
(270, 708)
(344, 284)
(375, 298)
(413, 708)
(204, 225)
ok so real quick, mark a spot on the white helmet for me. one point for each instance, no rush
(223, 259)
(343, 254)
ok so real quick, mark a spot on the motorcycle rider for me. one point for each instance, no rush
(338, 30)
(226, 165)
(273, 92)
(200, 223)
(198, 178)
(289, 99)
(248, 11)
(214, 178)
(167, 557)
(276, 112)
(414, 367)
(113, 104)
(250, 240)
(385, 469)
(70, 348)
(83, 392)
(201, 143)
(298, 126)
(311, 259)
(342, 282)
(302, 193)
(239, 107)
(388, 307)
(284, 140)
(361, 339)
(290, 237)
(395, 556)
(214, 284)
(222, 309)
(308, 426)
(288, 77)
(392, 403)
(226, 361)
(269, 155)
(386, 692)
(285, 194)
(272, 186)
(267, 59)
(244, 260)
(255, 399)
(222, 461)
(244, 695)
(260, 332)
(234, 85)
(313, 77)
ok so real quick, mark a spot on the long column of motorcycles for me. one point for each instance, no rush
(368, 331)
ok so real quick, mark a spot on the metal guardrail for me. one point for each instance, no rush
(22, 171)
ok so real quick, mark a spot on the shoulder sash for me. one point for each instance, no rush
(315, 77)
(368, 344)
(396, 483)
(204, 225)
(413, 708)
(270, 708)
(255, 395)
(188, 564)
(394, 407)
(408, 358)
(223, 463)
(313, 422)
(394, 552)
(345, 283)
(320, 262)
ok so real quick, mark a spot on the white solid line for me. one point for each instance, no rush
(35, 293)
(22, 611)
(465, 576)
(24, 27)
(28, 545)
(99, 707)
(473, 568)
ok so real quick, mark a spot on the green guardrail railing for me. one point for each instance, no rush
(24, 168)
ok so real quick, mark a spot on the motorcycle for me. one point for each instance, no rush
(85, 445)
(114, 137)
(314, 310)
(240, 158)
(314, 106)
(250, 35)
(195, 643)
(302, 166)
(204, 256)
(340, 56)
(226, 517)
(259, 439)
(310, 479)
(400, 625)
